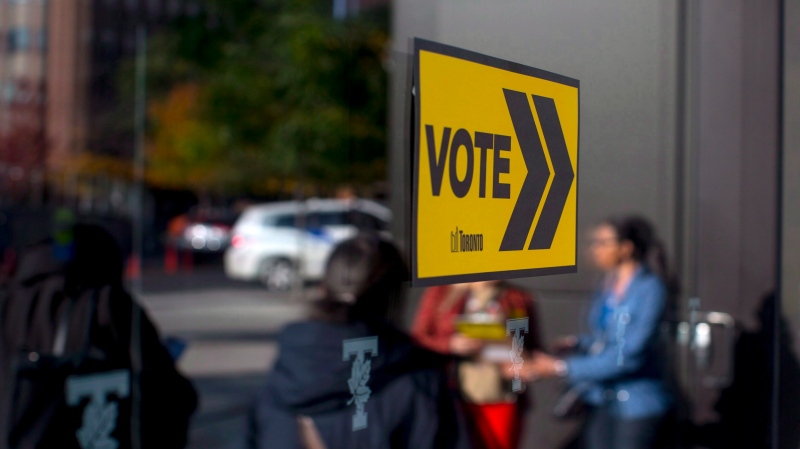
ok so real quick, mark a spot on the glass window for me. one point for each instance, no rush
(109, 36)
(19, 39)
(192, 8)
(8, 92)
(173, 7)
(295, 119)
(129, 42)
(154, 8)
(43, 40)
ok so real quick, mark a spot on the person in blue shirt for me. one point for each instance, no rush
(618, 365)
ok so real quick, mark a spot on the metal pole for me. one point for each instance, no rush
(776, 430)
(139, 156)
(138, 232)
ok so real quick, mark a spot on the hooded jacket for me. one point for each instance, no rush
(409, 404)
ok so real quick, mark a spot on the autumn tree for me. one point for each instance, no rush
(249, 93)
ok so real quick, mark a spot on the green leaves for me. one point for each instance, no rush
(282, 90)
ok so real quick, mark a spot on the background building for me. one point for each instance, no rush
(23, 62)
(60, 93)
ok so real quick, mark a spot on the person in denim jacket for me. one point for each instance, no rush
(617, 366)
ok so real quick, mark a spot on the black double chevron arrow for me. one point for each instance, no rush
(532, 193)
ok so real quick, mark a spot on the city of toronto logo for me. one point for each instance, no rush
(461, 242)
(517, 328)
(100, 415)
(359, 375)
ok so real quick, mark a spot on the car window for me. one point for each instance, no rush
(282, 221)
(322, 219)
(365, 221)
(332, 219)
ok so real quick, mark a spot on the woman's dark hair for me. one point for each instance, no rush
(647, 247)
(363, 281)
(97, 258)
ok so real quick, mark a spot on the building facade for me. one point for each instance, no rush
(23, 68)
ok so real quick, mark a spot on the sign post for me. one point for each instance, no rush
(495, 168)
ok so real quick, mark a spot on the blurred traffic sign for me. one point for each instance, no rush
(495, 168)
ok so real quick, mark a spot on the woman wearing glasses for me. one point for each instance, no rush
(617, 365)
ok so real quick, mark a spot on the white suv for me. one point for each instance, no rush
(282, 243)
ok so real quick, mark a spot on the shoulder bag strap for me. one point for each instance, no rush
(62, 331)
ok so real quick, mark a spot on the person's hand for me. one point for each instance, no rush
(526, 372)
(565, 344)
(542, 366)
(507, 370)
(463, 345)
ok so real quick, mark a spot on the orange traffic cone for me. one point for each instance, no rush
(170, 260)
(134, 267)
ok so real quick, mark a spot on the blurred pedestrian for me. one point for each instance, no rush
(617, 368)
(495, 412)
(347, 377)
(81, 365)
(176, 254)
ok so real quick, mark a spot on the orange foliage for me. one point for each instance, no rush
(183, 151)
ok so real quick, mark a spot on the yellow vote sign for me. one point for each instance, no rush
(495, 168)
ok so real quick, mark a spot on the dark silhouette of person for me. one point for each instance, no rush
(75, 284)
(745, 407)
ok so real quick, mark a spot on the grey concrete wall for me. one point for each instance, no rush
(736, 88)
